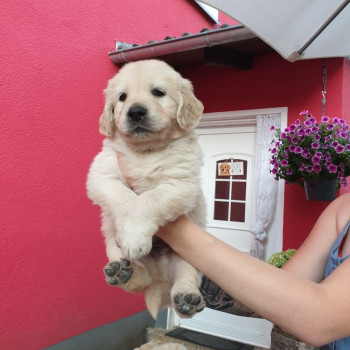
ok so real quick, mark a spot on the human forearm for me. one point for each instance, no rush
(286, 300)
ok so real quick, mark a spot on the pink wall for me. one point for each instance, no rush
(275, 82)
(52, 74)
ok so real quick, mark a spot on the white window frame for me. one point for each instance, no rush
(211, 198)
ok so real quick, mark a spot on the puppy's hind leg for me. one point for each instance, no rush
(158, 297)
(185, 294)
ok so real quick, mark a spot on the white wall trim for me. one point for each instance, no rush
(237, 118)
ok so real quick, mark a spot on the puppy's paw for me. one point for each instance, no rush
(136, 247)
(118, 272)
(186, 305)
(135, 240)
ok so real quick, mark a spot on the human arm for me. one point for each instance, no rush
(310, 259)
(315, 313)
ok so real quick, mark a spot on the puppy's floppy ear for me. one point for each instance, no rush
(190, 108)
(106, 122)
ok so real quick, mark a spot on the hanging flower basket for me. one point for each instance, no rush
(308, 152)
(320, 189)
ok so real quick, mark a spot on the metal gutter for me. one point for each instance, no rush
(185, 43)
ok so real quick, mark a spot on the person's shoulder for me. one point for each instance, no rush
(343, 200)
(341, 208)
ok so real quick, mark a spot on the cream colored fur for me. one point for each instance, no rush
(163, 160)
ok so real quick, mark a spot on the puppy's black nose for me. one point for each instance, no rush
(137, 113)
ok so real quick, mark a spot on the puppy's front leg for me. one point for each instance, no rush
(107, 187)
(153, 209)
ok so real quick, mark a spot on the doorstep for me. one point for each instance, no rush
(161, 336)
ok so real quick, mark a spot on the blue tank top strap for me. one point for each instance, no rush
(334, 260)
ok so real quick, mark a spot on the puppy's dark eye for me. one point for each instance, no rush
(158, 92)
(122, 97)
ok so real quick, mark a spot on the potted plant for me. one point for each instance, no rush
(280, 258)
(312, 153)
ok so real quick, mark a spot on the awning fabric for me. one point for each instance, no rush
(297, 29)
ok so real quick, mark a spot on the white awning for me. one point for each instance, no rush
(297, 29)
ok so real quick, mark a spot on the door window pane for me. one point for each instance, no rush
(237, 212)
(221, 211)
(238, 191)
(222, 190)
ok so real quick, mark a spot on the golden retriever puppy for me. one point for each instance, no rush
(149, 117)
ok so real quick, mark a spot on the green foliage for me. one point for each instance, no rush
(280, 258)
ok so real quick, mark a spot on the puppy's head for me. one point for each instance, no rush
(148, 101)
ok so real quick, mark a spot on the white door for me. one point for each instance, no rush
(229, 197)
(228, 185)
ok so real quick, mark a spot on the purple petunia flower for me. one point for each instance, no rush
(308, 131)
(328, 138)
(314, 129)
(284, 163)
(283, 135)
(340, 149)
(307, 122)
(301, 132)
(334, 143)
(292, 148)
(330, 126)
(298, 149)
(316, 160)
(316, 168)
(343, 134)
(312, 120)
(318, 154)
(274, 150)
(272, 127)
(335, 120)
(302, 167)
(332, 168)
(274, 171)
(289, 171)
(306, 153)
(309, 169)
(295, 140)
(315, 145)
(341, 121)
(292, 127)
(348, 147)
(325, 119)
(305, 111)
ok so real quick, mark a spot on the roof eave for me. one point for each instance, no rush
(207, 39)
